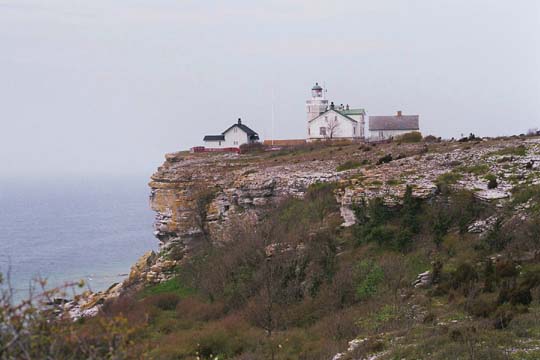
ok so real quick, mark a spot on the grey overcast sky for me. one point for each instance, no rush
(106, 87)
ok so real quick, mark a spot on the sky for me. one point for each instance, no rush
(107, 87)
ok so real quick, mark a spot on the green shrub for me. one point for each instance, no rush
(318, 203)
(404, 239)
(440, 224)
(383, 235)
(369, 276)
(492, 184)
(492, 181)
(497, 238)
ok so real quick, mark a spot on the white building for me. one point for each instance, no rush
(387, 127)
(330, 121)
(235, 136)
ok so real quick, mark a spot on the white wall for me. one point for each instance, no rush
(315, 107)
(386, 134)
(345, 128)
(235, 137)
(361, 123)
(214, 144)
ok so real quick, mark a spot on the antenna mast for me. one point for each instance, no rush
(273, 118)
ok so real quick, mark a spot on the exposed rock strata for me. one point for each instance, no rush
(243, 185)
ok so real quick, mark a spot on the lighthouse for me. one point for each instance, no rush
(317, 104)
(332, 122)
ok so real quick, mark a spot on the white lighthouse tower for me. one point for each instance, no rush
(317, 104)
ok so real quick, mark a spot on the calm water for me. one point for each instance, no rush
(92, 230)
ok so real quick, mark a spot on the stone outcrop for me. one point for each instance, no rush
(196, 195)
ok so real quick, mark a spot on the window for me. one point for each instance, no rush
(335, 118)
(354, 130)
(235, 142)
(220, 143)
(322, 131)
(309, 131)
(381, 134)
(326, 118)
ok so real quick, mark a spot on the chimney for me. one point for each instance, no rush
(239, 121)
(332, 105)
(399, 113)
(347, 107)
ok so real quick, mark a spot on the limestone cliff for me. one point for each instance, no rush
(196, 195)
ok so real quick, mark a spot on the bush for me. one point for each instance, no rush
(164, 302)
(369, 276)
(464, 275)
(196, 309)
(431, 139)
(492, 181)
(383, 235)
(471, 137)
(503, 316)
(481, 307)
(251, 148)
(440, 224)
(385, 159)
(411, 137)
(497, 238)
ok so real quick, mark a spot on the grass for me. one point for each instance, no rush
(478, 169)
(449, 178)
(172, 286)
(524, 193)
(349, 165)
(511, 150)
(394, 182)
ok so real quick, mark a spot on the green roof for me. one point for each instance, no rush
(353, 112)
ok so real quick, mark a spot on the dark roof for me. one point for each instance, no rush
(317, 87)
(214, 138)
(247, 130)
(342, 113)
(403, 122)
(250, 133)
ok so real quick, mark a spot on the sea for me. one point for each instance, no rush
(71, 230)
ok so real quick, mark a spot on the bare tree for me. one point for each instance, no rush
(332, 127)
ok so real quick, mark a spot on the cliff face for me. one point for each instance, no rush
(196, 195)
